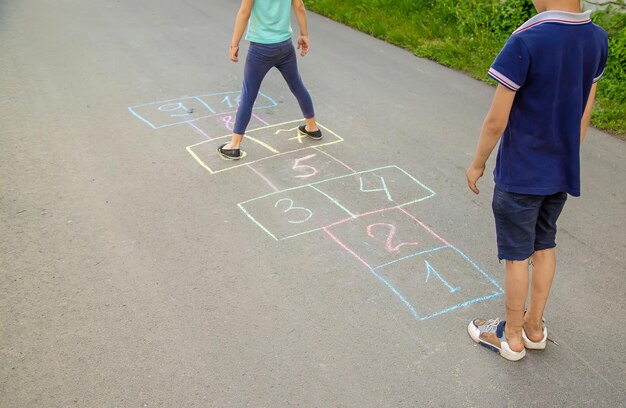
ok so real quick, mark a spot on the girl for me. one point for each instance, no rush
(269, 33)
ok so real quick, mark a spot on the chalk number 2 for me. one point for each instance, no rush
(391, 232)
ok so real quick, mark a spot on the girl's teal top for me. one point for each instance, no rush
(269, 21)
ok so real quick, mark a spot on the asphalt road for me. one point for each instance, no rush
(138, 269)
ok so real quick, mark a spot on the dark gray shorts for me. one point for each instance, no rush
(525, 223)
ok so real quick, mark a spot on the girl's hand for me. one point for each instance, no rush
(303, 43)
(234, 53)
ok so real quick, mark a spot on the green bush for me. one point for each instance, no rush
(610, 112)
(467, 35)
(511, 14)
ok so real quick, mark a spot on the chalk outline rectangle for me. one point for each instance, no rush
(397, 293)
(240, 205)
(190, 148)
(352, 216)
(367, 265)
(131, 108)
(432, 193)
(410, 306)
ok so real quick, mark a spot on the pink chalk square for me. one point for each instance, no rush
(384, 236)
(299, 168)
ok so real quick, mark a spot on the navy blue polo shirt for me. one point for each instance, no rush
(551, 62)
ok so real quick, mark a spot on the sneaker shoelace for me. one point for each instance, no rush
(491, 325)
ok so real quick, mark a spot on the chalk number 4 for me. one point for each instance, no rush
(382, 182)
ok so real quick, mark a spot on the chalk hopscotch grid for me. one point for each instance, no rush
(351, 217)
(334, 201)
(398, 294)
(374, 270)
(207, 168)
(131, 109)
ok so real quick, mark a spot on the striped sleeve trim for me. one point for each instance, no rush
(503, 79)
(596, 79)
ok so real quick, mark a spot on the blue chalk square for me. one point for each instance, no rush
(191, 108)
(436, 282)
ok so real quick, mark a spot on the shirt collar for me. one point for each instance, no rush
(556, 16)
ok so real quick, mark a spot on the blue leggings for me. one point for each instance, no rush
(261, 58)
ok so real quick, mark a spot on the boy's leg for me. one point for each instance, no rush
(544, 266)
(288, 67)
(254, 71)
(544, 261)
(516, 219)
(515, 294)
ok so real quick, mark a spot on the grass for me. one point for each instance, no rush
(467, 35)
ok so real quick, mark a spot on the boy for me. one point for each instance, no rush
(547, 74)
(269, 33)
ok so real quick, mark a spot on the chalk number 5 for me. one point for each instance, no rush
(298, 166)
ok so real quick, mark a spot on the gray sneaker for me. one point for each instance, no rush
(490, 334)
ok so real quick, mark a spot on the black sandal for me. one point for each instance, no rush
(230, 154)
(317, 135)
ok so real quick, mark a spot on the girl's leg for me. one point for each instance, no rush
(288, 67)
(254, 71)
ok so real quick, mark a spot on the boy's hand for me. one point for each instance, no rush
(234, 53)
(303, 43)
(473, 174)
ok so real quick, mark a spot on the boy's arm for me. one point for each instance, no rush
(584, 123)
(303, 39)
(493, 127)
(241, 21)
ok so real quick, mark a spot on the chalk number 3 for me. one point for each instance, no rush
(290, 207)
